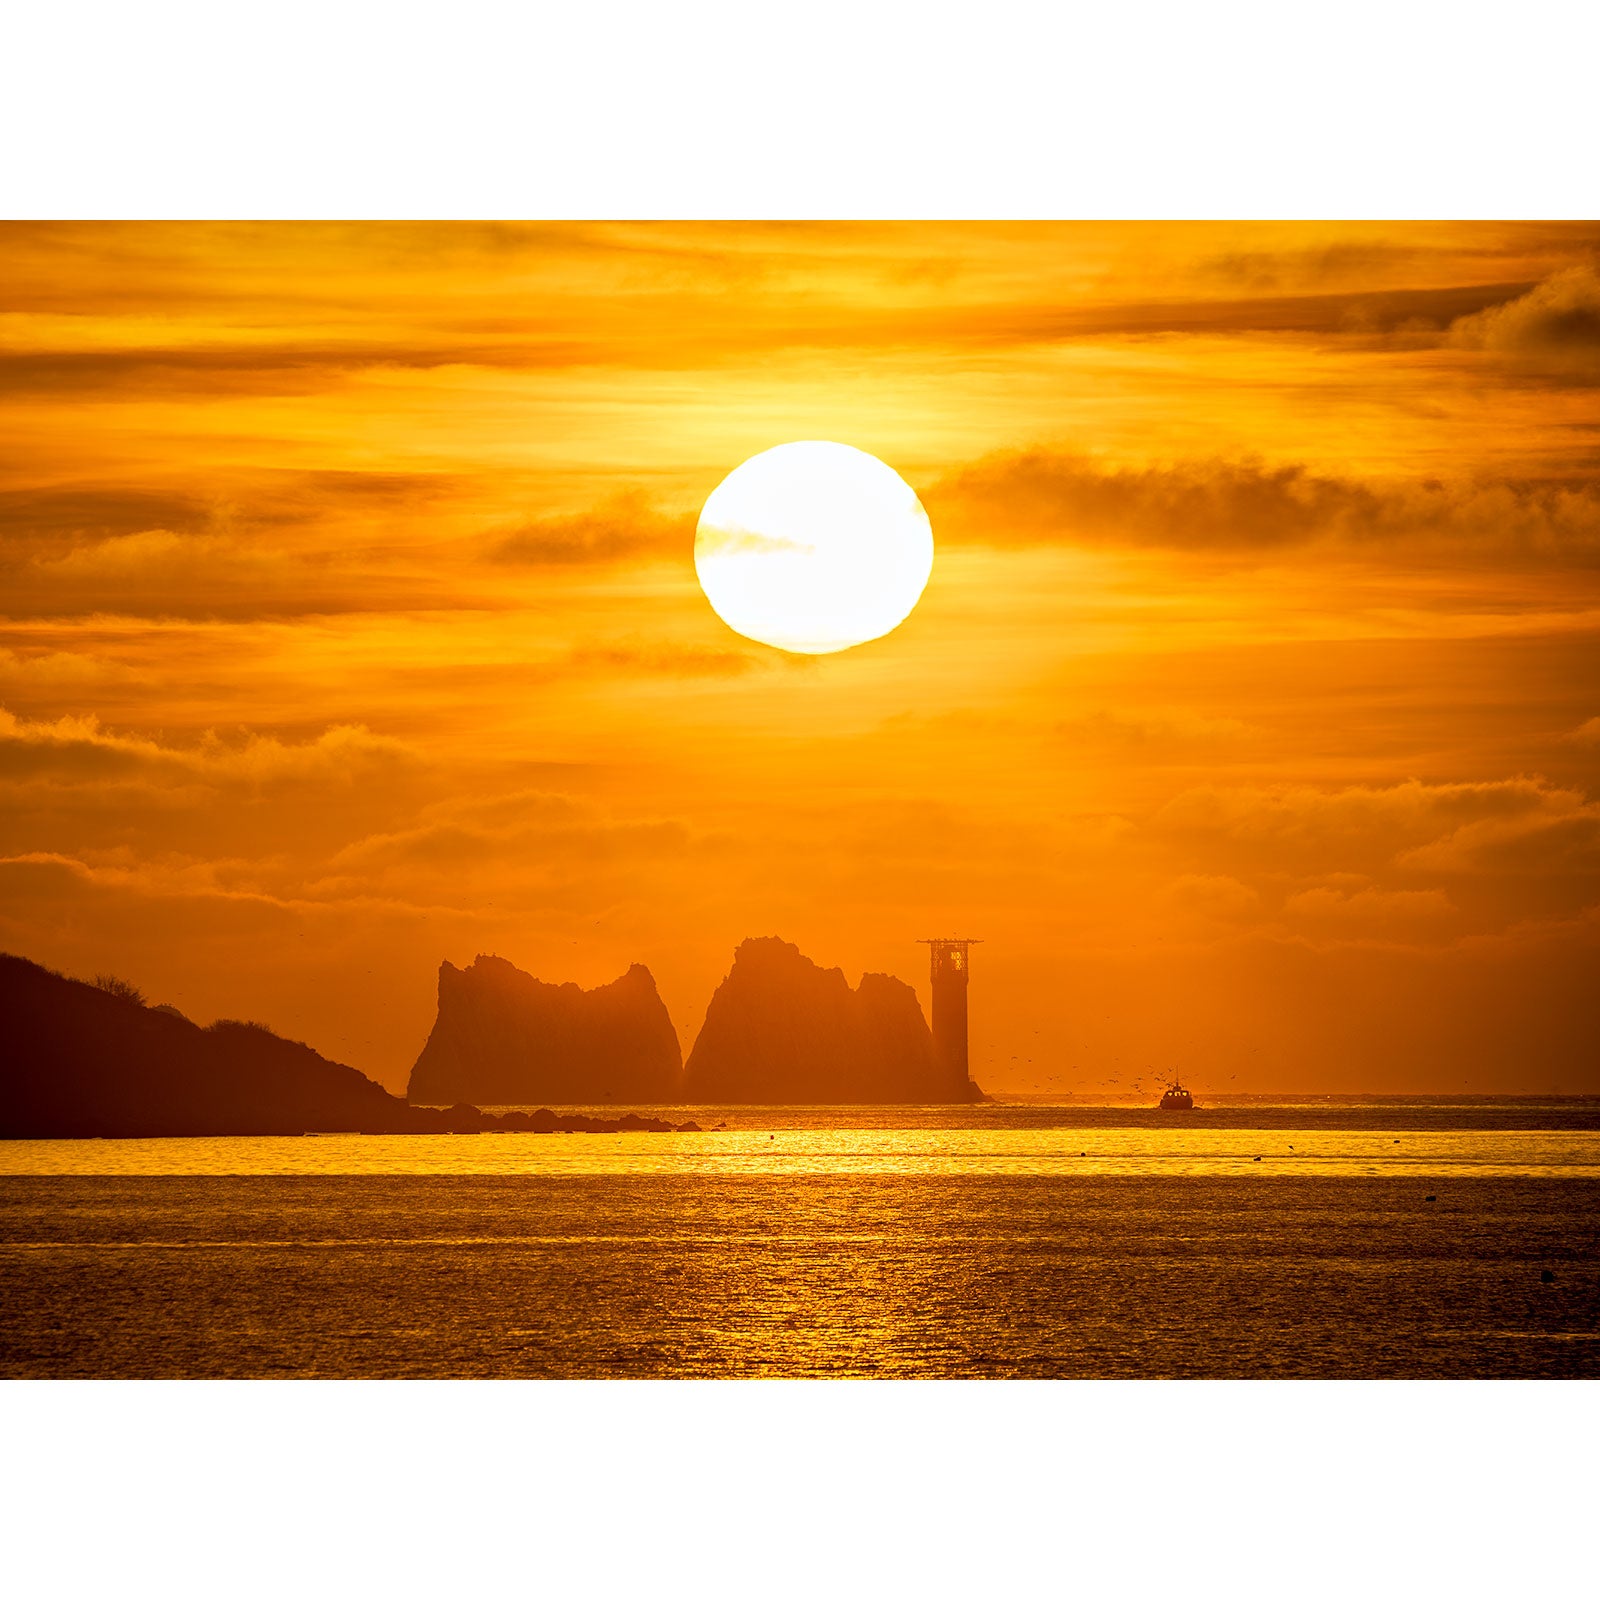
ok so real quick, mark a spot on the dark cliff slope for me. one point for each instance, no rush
(504, 1038)
(76, 1062)
(782, 1030)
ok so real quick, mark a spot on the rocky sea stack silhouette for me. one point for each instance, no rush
(782, 1030)
(502, 1037)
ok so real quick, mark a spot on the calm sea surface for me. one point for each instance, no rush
(1258, 1238)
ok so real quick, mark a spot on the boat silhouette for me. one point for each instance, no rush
(1177, 1098)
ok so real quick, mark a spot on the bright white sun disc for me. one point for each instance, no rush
(813, 547)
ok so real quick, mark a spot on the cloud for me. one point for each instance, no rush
(76, 747)
(260, 543)
(158, 572)
(1334, 261)
(1151, 727)
(60, 668)
(669, 661)
(45, 878)
(626, 525)
(1410, 860)
(1216, 897)
(1587, 732)
(1041, 496)
(685, 325)
(102, 511)
(1555, 325)
(161, 555)
(734, 540)
(568, 834)
(1368, 905)
(234, 498)
(1360, 824)
(311, 544)
(538, 852)
(252, 368)
(79, 748)
(1560, 839)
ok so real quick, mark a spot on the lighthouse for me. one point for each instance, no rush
(948, 965)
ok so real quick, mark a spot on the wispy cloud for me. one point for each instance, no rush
(1043, 496)
(1554, 327)
(79, 746)
(626, 525)
(1368, 905)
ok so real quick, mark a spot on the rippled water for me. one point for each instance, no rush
(1186, 1151)
(1025, 1242)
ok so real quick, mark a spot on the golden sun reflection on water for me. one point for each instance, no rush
(927, 1275)
(1002, 1152)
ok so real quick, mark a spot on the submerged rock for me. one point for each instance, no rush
(544, 1120)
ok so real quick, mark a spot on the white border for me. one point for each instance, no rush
(837, 108)
(771, 1489)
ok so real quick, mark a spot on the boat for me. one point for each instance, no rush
(1177, 1098)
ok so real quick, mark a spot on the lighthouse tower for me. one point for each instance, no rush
(948, 974)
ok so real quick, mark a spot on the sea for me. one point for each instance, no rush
(1255, 1237)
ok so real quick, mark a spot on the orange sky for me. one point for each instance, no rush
(1251, 716)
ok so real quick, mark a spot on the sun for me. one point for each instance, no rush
(813, 547)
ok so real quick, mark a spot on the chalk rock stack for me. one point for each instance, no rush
(503, 1037)
(780, 1030)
